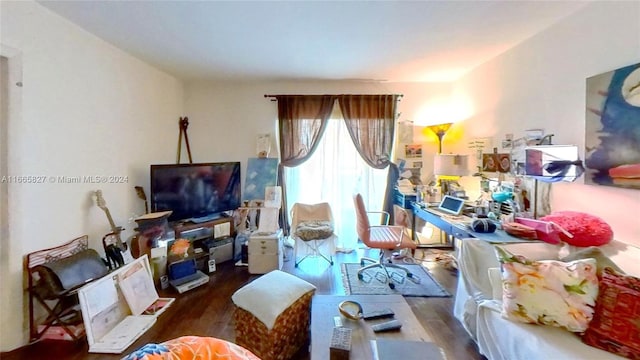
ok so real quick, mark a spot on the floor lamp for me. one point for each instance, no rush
(440, 130)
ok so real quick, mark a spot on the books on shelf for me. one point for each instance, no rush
(118, 308)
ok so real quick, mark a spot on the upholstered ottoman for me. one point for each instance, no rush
(272, 315)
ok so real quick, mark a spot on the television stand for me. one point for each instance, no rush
(215, 237)
(206, 218)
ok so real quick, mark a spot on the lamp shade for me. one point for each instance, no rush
(451, 165)
(439, 130)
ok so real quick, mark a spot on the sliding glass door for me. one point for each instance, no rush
(333, 174)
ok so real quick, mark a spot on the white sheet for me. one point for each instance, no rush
(502, 339)
(474, 258)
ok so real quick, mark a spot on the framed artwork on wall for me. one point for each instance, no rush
(413, 151)
(612, 136)
(494, 162)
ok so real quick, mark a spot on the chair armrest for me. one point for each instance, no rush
(387, 216)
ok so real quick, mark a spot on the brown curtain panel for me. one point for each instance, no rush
(370, 121)
(302, 120)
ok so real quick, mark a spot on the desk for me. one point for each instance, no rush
(454, 230)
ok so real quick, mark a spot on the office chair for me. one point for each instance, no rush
(312, 225)
(384, 237)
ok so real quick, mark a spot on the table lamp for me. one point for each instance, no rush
(448, 168)
(440, 130)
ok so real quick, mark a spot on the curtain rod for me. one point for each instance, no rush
(274, 96)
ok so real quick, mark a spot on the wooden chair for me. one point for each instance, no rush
(384, 237)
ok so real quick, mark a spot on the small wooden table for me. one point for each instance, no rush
(325, 307)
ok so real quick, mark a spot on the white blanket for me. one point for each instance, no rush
(502, 339)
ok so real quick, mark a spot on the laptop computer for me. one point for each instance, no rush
(449, 205)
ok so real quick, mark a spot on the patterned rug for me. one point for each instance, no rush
(374, 282)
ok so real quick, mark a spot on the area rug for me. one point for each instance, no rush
(374, 282)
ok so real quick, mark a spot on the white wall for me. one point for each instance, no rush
(225, 118)
(87, 109)
(541, 84)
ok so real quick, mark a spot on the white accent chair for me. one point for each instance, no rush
(312, 229)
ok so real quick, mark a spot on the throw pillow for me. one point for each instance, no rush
(602, 261)
(616, 322)
(548, 292)
(587, 230)
(483, 226)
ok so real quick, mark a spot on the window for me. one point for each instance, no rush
(334, 173)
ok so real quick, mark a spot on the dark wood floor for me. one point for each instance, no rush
(208, 310)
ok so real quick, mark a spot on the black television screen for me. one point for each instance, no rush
(195, 190)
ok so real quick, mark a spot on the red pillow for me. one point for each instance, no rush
(587, 230)
(615, 326)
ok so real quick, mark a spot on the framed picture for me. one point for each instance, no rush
(416, 164)
(413, 151)
(496, 163)
(612, 131)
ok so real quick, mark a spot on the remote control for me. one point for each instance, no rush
(378, 314)
(387, 326)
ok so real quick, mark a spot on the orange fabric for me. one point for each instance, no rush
(192, 347)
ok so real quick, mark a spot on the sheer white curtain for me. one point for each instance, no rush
(334, 173)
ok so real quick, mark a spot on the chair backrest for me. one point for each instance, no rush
(362, 220)
(401, 216)
(305, 212)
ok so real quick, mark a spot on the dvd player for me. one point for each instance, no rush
(190, 282)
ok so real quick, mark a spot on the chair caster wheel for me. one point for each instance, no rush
(296, 265)
(409, 275)
(361, 262)
(392, 286)
(360, 277)
(331, 262)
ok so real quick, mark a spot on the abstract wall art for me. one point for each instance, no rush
(612, 136)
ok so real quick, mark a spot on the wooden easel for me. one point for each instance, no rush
(184, 124)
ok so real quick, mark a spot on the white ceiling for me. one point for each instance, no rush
(315, 40)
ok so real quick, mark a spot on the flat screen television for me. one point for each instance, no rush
(195, 191)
